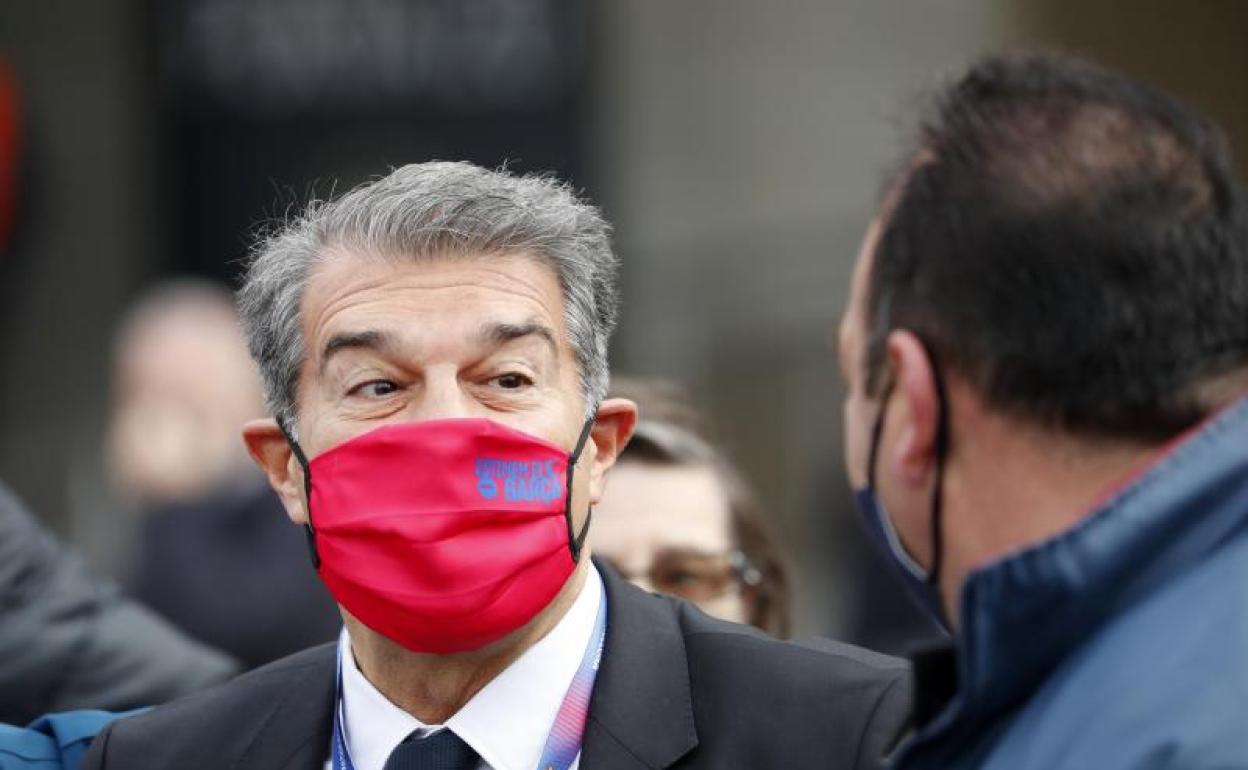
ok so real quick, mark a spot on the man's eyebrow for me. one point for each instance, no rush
(502, 333)
(365, 340)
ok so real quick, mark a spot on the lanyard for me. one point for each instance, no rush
(563, 745)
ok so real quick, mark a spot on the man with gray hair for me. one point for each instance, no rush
(434, 351)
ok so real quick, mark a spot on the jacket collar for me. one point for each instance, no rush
(641, 712)
(1022, 615)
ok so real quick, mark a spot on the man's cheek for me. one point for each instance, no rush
(855, 449)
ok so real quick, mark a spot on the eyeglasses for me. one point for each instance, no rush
(696, 575)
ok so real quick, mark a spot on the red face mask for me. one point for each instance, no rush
(444, 535)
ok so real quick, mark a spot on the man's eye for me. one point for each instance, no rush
(512, 381)
(374, 389)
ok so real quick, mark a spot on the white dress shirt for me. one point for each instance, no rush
(506, 722)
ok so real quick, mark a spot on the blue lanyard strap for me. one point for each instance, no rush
(563, 745)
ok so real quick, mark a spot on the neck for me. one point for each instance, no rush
(1012, 487)
(433, 688)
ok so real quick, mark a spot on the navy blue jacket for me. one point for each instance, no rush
(1122, 643)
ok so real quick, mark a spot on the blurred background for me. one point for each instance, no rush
(738, 147)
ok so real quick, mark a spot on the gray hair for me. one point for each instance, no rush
(427, 210)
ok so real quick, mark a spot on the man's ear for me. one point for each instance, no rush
(613, 427)
(268, 447)
(917, 408)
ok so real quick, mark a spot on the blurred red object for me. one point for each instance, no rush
(10, 145)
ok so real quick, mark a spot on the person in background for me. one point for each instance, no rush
(182, 384)
(70, 640)
(1046, 353)
(434, 350)
(215, 556)
(679, 518)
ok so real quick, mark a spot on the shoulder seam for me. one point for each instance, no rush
(866, 725)
(880, 661)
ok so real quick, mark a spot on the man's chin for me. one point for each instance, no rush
(524, 637)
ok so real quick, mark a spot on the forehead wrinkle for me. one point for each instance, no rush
(505, 282)
(360, 289)
(485, 262)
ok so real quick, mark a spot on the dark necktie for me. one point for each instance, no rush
(444, 750)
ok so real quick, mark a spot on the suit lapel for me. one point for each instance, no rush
(295, 733)
(641, 712)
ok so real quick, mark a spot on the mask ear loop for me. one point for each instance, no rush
(877, 432)
(942, 450)
(575, 543)
(307, 489)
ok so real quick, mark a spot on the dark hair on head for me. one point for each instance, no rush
(1072, 244)
(671, 432)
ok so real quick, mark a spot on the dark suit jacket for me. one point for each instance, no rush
(69, 640)
(677, 689)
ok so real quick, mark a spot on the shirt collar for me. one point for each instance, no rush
(506, 722)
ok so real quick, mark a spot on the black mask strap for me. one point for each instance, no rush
(942, 451)
(307, 488)
(877, 432)
(576, 542)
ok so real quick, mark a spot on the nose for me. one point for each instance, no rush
(440, 396)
